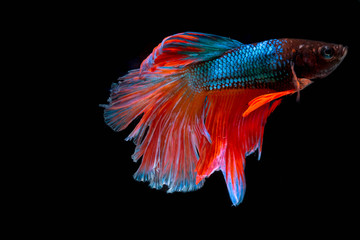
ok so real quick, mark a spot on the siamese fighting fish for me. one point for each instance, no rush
(202, 101)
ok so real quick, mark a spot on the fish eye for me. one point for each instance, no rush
(327, 52)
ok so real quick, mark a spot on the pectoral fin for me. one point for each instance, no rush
(264, 99)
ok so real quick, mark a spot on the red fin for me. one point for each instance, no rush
(181, 49)
(171, 126)
(172, 115)
(233, 137)
(264, 99)
(173, 133)
(168, 133)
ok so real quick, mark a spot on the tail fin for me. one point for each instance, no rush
(168, 133)
(172, 124)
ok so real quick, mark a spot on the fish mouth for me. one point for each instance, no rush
(344, 52)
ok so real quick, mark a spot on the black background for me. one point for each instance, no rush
(308, 165)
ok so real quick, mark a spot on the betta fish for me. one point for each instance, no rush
(202, 101)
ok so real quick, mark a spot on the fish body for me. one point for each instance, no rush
(260, 65)
(204, 100)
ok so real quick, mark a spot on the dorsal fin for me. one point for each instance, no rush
(181, 49)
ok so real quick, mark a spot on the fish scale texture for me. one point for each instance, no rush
(249, 66)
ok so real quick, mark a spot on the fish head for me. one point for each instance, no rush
(314, 59)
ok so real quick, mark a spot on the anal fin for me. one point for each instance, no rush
(233, 137)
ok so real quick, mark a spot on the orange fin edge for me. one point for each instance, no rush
(263, 99)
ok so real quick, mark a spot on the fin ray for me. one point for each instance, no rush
(181, 49)
(264, 99)
(184, 136)
(169, 131)
(231, 144)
